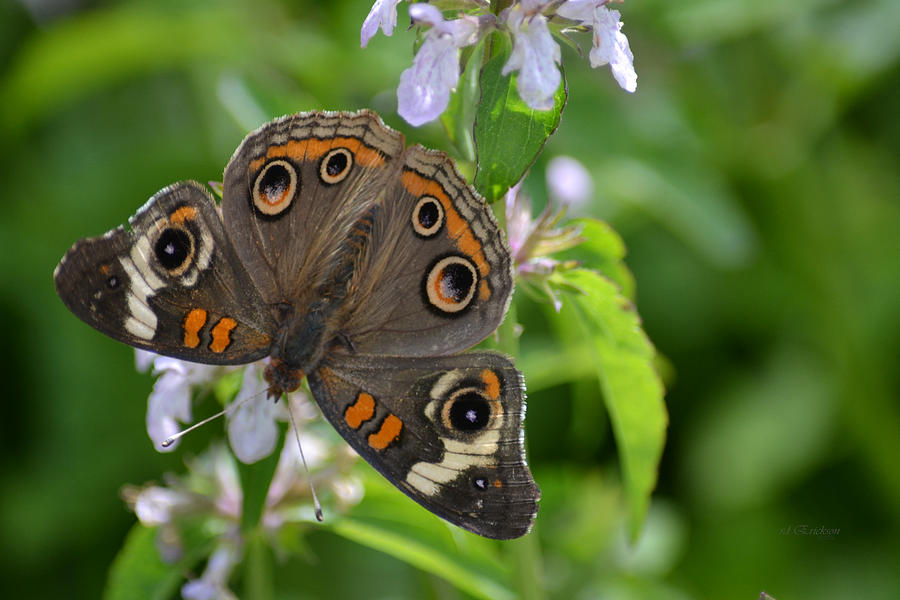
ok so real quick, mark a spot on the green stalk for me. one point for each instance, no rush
(524, 553)
(258, 578)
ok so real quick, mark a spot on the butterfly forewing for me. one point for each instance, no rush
(294, 190)
(169, 283)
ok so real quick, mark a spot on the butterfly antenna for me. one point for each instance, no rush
(316, 506)
(233, 406)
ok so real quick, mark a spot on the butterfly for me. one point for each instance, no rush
(346, 258)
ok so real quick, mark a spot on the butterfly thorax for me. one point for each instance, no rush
(298, 346)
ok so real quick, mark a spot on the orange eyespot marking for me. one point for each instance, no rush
(360, 411)
(498, 483)
(443, 292)
(185, 213)
(390, 430)
(193, 323)
(457, 227)
(104, 269)
(314, 148)
(491, 384)
(275, 187)
(277, 200)
(221, 334)
(450, 284)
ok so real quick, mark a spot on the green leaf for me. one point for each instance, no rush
(547, 364)
(632, 390)
(226, 387)
(139, 572)
(509, 134)
(459, 117)
(604, 250)
(391, 523)
(412, 549)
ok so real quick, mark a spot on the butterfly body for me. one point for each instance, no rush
(354, 261)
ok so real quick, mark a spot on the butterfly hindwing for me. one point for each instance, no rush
(446, 431)
(169, 282)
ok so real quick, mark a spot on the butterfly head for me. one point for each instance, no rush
(282, 378)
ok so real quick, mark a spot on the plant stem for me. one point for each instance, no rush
(525, 553)
(258, 576)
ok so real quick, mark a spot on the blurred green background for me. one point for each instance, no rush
(755, 177)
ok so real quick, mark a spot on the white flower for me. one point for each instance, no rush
(611, 46)
(518, 220)
(158, 505)
(143, 359)
(532, 241)
(170, 401)
(211, 493)
(535, 55)
(213, 584)
(609, 43)
(229, 495)
(252, 428)
(425, 87)
(290, 476)
(384, 15)
(568, 181)
(252, 431)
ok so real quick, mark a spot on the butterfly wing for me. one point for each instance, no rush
(436, 275)
(294, 190)
(330, 206)
(446, 431)
(170, 283)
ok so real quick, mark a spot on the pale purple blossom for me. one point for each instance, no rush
(213, 584)
(568, 181)
(143, 360)
(170, 401)
(252, 427)
(532, 241)
(229, 496)
(610, 46)
(384, 15)
(535, 55)
(157, 505)
(211, 491)
(425, 87)
(252, 430)
(518, 221)
(165, 507)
